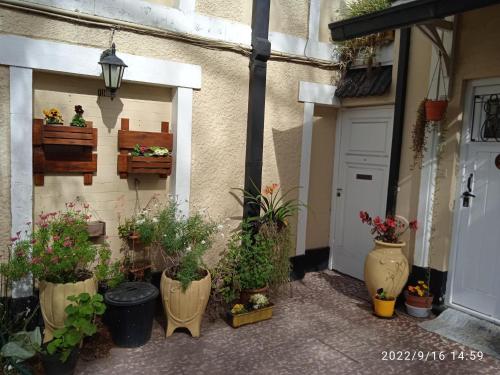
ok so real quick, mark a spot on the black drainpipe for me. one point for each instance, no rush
(399, 117)
(261, 50)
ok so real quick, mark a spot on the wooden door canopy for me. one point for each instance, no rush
(127, 139)
(63, 149)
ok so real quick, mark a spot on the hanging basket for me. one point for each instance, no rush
(435, 109)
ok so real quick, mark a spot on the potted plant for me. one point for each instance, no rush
(386, 266)
(78, 119)
(185, 282)
(256, 310)
(53, 116)
(419, 300)
(383, 304)
(60, 355)
(435, 109)
(58, 253)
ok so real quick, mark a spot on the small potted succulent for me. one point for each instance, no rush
(78, 119)
(257, 309)
(53, 116)
(383, 304)
(419, 300)
(60, 355)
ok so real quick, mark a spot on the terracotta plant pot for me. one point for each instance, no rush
(185, 308)
(54, 299)
(247, 293)
(386, 267)
(418, 301)
(384, 308)
(96, 228)
(435, 109)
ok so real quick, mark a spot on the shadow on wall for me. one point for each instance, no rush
(110, 111)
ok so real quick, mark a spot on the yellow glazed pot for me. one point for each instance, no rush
(185, 308)
(382, 308)
(54, 299)
(386, 267)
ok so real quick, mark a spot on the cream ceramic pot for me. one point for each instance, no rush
(54, 299)
(386, 267)
(185, 308)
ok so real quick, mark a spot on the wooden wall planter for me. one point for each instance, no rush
(127, 139)
(63, 149)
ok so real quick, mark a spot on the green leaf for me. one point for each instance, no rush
(73, 338)
(17, 351)
(54, 345)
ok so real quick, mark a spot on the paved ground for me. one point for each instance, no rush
(325, 327)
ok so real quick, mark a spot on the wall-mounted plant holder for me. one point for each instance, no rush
(96, 229)
(63, 149)
(127, 139)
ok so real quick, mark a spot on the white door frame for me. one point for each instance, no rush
(464, 140)
(24, 55)
(336, 170)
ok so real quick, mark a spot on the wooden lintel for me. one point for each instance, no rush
(441, 24)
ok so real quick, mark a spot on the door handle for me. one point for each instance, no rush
(467, 195)
(469, 182)
(339, 192)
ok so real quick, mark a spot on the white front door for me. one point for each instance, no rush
(360, 183)
(476, 280)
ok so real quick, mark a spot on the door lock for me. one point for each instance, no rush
(467, 195)
(339, 192)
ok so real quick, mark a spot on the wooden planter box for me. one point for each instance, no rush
(96, 228)
(128, 164)
(63, 149)
(250, 317)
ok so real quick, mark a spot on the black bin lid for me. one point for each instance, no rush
(131, 293)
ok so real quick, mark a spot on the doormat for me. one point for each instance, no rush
(466, 329)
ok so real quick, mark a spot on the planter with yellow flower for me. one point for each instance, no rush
(256, 310)
(53, 116)
(419, 300)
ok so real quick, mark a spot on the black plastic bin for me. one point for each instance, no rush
(130, 312)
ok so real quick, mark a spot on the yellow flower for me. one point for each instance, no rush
(421, 282)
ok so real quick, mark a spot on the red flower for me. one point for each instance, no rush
(36, 260)
(390, 222)
(56, 238)
(414, 224)
(50, 250)
(377, 220)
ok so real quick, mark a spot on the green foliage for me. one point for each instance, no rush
(78, 324)
(355, 8)
(61, 251)
(22, 345)
(280, 254)
(142, 225)
(139, 150)
(107, 271)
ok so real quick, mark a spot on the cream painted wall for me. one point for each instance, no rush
(111, 198)
(168, 3)
(320, 180)
(4, 161)
(219, 109)
(477, 56)
(286, 16)
(330, 11)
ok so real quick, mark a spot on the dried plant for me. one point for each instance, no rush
(419, 136)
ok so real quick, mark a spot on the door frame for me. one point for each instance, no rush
(336, 168)
(464, 141)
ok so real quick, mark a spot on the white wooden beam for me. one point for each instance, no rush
(318, 93)
(305, 168)
(21, 156)
(67, 58)
(314, 19)
(180, 179)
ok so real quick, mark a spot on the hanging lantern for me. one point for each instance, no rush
(112, 71)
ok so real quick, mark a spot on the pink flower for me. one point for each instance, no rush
(86, 205)
(390, 223)
(67, 243)
(56, 238)
(55, 260)
(50, 250)
(377, 220)
(36, 260)
(413, 224)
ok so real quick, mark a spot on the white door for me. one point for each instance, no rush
(360, 183)
(476, 281)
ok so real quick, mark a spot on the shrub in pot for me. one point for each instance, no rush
(58, 253)
(60, 355)
(185, 282)
(386, 266)
(419, 300)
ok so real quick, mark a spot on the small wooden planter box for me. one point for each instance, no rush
(127, 139)
(250, 317)
(96, 228)
(63, 149)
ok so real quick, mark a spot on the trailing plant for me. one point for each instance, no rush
(78, 119)
(139, 150)
(143, 225)
(53, 116)
(419, 136)
(387, 230)
(362, 47)
(78, 324)
(57, 249)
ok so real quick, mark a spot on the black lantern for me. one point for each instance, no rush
(112, 71)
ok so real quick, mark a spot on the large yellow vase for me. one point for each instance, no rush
(54, 299)
(185, 308)
(386, 267)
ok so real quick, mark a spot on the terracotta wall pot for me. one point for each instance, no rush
(386, 267)
(185, 308)
(435, 109)
(54, 299)
(418, 301)
(247, 293)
